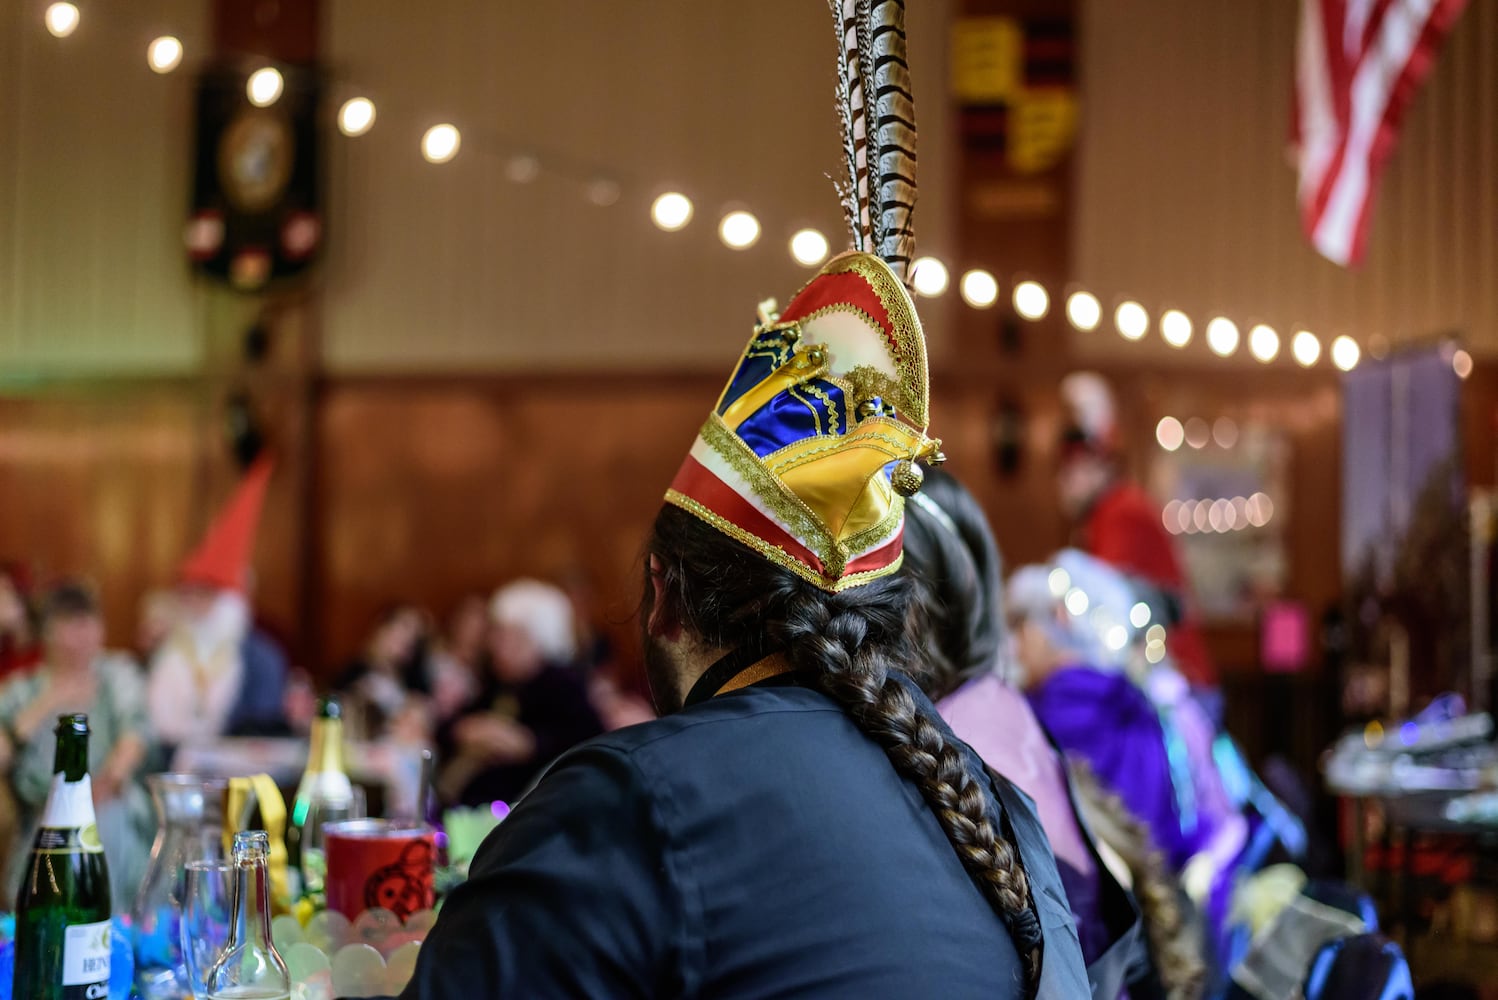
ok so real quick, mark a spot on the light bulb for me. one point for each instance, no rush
(1306, 348)
(264, 86)
(1263, 343)
(1132, 321)
(1222, 336)
(979, 289)
(1175, 328)
(1461, 363)
(1031, 300)
(671, 211)
(929, 276)
(164, 54)
(739, 230)
(1345, 353)
(441, 143)
(1169, 433)
(1083, 311)
(809, 248)
(356, 116)
(62, 19)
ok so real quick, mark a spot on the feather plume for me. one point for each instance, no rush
(854, 194)
(893, 115)
(878, 117)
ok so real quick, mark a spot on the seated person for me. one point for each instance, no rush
(19, 649)
(77, 674)
(532, 704)
(950, 550)
(1072, 675)
(385, 689)
(456, 662)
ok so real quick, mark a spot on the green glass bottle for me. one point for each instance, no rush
(325, 795)
(62, 912)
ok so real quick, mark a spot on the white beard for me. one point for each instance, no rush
(196, 674)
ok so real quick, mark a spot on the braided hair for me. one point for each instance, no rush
(1175, 943)
(853, 645)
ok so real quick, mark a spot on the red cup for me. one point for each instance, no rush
(380, 863)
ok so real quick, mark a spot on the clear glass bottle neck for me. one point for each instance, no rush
(251, 901)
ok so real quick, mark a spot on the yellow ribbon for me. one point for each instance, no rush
(245, 794)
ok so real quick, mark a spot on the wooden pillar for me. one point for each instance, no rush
(264, 349)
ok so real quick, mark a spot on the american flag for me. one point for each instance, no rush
(1358, 64)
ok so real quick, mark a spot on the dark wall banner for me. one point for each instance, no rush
(1405, 560)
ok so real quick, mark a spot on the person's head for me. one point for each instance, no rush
(1073, 611)
(159, 612)
(1038, 640)
(396, 635)
(707, 594)
(1089, 442)
(532, 624)
(195, 600)
(72, 626)
(951, 553)
(15, 615)
(467, 627)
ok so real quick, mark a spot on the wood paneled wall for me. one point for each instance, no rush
(427, 488)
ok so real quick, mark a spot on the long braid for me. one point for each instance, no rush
(1175, 947)
(852, 644)
(833, 647)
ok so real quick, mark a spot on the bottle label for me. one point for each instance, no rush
(70, 804)
(85, 962)
(78, 840)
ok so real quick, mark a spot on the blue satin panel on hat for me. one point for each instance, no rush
(795, 415)
(762, 358)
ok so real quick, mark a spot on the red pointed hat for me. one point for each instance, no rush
(222, 559)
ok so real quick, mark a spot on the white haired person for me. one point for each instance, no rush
(531, 704)
(1071, 660)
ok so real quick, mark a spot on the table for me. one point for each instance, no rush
(393, 767)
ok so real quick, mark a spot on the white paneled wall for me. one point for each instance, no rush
(453, 267)
(94, 176)
(1186, 198)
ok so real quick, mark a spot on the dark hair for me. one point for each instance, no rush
(852, 644)
(68, 599)
(951, 552)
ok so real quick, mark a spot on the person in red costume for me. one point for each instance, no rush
(1118, 522)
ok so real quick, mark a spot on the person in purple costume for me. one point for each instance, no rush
(1068, 648)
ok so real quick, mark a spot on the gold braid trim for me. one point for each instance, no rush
(798, 519)
(775, 553)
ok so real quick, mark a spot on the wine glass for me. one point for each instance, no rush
(207, 912)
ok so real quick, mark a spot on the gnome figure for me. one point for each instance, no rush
(198, 672)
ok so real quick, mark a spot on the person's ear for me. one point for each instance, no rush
(660, 623)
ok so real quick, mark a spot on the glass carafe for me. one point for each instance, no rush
(189, 812)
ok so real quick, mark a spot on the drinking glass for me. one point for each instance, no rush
(312, 851)
(207, 912)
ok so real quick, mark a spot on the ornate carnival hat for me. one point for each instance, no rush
(814, 442)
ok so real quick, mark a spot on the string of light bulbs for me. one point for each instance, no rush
(739, 229)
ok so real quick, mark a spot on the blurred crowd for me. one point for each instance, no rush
(507, 682)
